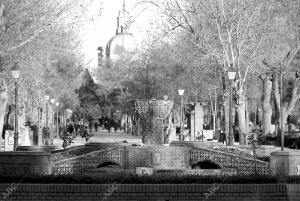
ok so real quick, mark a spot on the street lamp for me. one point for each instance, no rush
(47, 124)
(231, 76)
(181, 92)
(52, 121)
(52, 101)
(57, 133)
(15, 71)
(47, 99)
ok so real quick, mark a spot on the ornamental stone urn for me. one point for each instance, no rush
(152, 114)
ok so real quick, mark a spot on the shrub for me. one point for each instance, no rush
(67, 139)
(130, 178)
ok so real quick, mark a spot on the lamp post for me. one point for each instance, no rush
(47, 123)
(57, 131)
(231, 76)
(52, 112)
(52, 121)
(16, 75)
(181, 92)
(47, 99)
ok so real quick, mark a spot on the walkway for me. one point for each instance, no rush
(103, 136)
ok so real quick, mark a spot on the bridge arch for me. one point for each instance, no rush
(109, 164)
(206, 164)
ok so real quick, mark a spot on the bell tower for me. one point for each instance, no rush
(122, 20)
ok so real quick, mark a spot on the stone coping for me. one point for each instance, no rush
(84, 155)
(105, 144)
(169, 172)
(186, 188)
(67, 149)
(286, 153)
(24, 153)
(44, 148)
(261, 147)
(208, 143)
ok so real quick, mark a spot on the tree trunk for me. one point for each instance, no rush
(242, 121)
(3, 102)
(241, 109)
(284, 115)
(226, 117)
(167, 129)
(247, 116)
(288, 107)
(266, 105)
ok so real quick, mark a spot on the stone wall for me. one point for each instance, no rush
(197, 116)
(285, 163)
(243, 165)
(23, 163)
(153, 192)
(128, 157)
(91, 160)
(159, 157)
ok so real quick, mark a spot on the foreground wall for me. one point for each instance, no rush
(159, 157)
(155, 192)
(15, 163)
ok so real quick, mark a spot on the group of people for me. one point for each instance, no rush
(76, 128)
(106, 123)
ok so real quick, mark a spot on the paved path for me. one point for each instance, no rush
(103, 136)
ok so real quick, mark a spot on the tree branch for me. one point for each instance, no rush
(243, 38)
(23, 43)
(244, 80)
(184, 17)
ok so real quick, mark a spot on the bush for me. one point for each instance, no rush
(130, 178)
(67, 139)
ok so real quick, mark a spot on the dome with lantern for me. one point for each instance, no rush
(123, 43)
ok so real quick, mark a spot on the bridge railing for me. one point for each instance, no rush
(245, 165)
(78, 164)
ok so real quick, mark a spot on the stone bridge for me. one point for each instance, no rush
(160, 157)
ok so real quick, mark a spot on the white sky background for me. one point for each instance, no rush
(103, 26)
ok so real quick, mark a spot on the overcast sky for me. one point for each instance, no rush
(98, 31)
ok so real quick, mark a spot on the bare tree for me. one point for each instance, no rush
(229, 31)
(32, 33)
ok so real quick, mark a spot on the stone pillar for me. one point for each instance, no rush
(196, 116)
(285, 163)
(21, 127)
(9, 140)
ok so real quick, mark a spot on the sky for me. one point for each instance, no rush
(98, 31)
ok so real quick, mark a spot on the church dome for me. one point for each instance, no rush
(122, 44)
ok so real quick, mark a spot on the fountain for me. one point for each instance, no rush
(152, 114)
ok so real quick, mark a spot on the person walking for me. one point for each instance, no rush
(109, 124)
(70, 128)
(90, 125)
(96, 126)
(76, 127)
